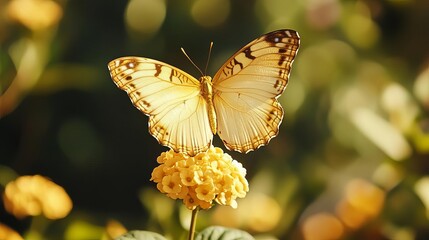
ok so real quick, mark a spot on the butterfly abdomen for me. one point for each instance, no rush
(207, 93)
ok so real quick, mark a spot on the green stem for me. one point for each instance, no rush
(193, 223)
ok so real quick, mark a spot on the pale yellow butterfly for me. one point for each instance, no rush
(239, 103)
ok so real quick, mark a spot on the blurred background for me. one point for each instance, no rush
(351, 160)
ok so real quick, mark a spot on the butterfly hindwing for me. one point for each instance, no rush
(246, 89)
(170, 97)
(249, 123)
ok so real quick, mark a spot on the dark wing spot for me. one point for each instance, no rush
(146, 103)
(275, 37)
(282, 50)
(285, 35)
(157, 69)
(281, 74)
(277, 83)
(282, 60)
(271, 117)
(128, 78)
(132, 64)
(237, 63)
(248, 53)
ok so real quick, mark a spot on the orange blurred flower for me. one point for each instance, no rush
(7, 233)
(362, 201)
(322, 226)
(34, 195)
(200, 180)
(114, 229)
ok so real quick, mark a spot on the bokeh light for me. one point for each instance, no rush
(421, 87)
(421, 136)
(210, 13)
(388, 175)
(359, 27)
(362, 201)
(145, 16)
(275, 13)
(264, 218)
(422, 189)
(322, 226)
(381, 133)
(35, 14)
(400, 106)
(322, 14)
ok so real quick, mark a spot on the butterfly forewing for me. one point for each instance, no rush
(246, 89)
(170, 97)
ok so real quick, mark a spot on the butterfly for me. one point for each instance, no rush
(239, 103)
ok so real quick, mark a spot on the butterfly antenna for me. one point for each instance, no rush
(208, 58)
(187, 56)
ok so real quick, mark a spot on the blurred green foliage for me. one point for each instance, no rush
(356, 111)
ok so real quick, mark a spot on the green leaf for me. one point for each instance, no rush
(140, 235)
(223, 233)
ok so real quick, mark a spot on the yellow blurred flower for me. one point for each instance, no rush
(35, 14)
(7, 233)
(34, 195)
(200, 180)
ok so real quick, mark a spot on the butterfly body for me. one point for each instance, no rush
(239, 103)
(207, 93)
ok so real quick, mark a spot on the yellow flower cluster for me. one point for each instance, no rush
(33, 195)
(199, 180)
